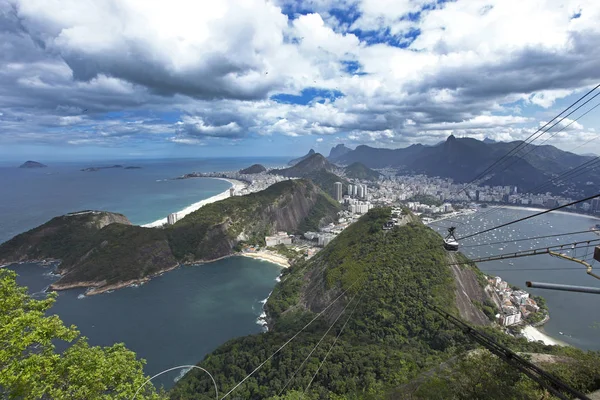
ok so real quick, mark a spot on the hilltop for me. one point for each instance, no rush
(297, 160)
(390, 340)
(315, 168)
(104, 251)
(358, 170)
(32, 164)
(253, 169)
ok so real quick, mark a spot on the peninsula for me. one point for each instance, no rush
(104, 251)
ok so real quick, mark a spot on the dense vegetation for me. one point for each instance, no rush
(30, 367)
(96, 252)
(390, 339)
(358, 170)
(426, 199)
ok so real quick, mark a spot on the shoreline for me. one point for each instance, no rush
(237, 185)
(523, 208)
(534, 334)
(269, 257)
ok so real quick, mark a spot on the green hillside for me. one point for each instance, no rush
(358, 170)
(103, 250)
(390, 339)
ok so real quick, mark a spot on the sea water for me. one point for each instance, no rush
(576, 315)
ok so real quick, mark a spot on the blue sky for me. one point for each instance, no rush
(233, 78)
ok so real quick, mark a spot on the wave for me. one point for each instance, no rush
(262, 318)
(181, 374)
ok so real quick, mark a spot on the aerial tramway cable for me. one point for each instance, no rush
(288, 341)
(317, 345)
(531, 238)
(530, 216)
(518, 147)
(333, 344)
(543, 378)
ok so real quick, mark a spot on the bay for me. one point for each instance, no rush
(575, 315)
(175, 319)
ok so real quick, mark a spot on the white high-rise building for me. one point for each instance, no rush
(365, 191)
(354, 190)
(172, 218)
(337, 190)
(350, 190)
(361, 191)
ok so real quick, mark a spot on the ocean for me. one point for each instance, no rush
(174, 319)
(30, 197)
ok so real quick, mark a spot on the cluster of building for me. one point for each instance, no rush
(424, 208)
(515, 305)
(393, 188)
(254, 182)
(278, 238)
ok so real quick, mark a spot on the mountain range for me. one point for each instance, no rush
(462, 159)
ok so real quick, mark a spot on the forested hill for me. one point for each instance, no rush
(102, 250)
(390, 339)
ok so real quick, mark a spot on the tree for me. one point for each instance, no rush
(30, 368)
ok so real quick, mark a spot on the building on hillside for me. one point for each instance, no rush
(279, 238)
(172, 218)
(337, 190)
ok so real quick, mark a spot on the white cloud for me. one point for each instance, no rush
(476, 68)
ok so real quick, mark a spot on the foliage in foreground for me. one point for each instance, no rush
(30, 368)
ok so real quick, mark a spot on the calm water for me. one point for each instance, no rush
(576, 315)
(174, 319)
(30, 197)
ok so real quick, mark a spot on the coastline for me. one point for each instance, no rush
(273, 258)
(237, 185)
(535, 334)
(545, 209)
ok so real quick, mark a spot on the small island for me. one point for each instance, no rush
(32, 164)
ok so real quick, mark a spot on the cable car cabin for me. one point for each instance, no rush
(450, 242)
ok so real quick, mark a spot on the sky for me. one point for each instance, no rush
(94, 79)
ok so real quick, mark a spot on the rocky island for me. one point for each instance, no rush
(32, 164)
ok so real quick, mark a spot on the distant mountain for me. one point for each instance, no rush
(462, 159)
(338, 151)
(358, 170)
(488, 140)
(297, 160)
(32, 164)
(253, 169)
(589, 155)
(310, 163)
(317, 169)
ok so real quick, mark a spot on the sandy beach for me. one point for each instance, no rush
(270, 257)
(533, 334)
(545, 209)
(237, 185)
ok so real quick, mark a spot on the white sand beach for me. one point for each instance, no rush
(237, 185)
(533, 334)
(270, 257)
(545, 209)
